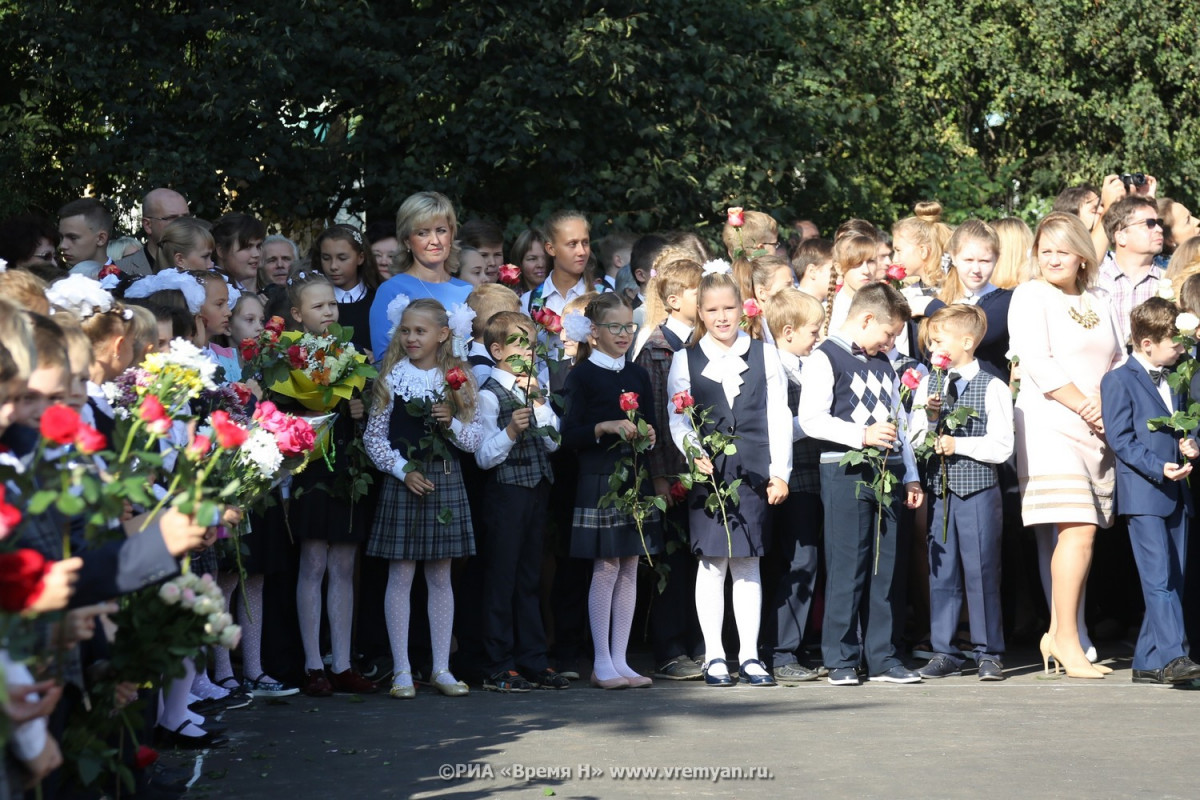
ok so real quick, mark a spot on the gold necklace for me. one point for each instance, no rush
(1088, 319)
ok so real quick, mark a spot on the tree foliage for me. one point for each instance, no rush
(644, 114)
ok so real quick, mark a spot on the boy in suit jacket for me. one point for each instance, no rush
(1150, 494)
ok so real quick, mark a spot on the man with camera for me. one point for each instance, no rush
(1130, 272)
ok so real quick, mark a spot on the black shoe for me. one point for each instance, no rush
(179, 740)
(1181, 670)
(679, 669)
(550, 679)
(508, 682)
(940, 666)
(898, 674)
(1151, 676)
(794, 673)
(990, 670)
(755, 680)
(718, 680)
(844, 676)
(569, 670)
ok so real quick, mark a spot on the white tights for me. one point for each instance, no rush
(747, 606)
(398, 611)
(611, 601)
(316, 557)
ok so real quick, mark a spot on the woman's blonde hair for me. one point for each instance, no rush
(1016, 244)
(926, 229)
(462, 400)
(1069, 232)
(972, 230)
(1184, 263)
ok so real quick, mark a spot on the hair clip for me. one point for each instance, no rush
(946, 262)
(81, 295)
(358, 240)
(3, 265)
(718, 266)
(127, 314)
(303, 276)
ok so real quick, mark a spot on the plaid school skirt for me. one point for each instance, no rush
(408, 527)
(607, 532)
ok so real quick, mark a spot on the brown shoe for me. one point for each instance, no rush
(350, 682)
(316, 684)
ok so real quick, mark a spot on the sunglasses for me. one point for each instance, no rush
(1151, 223)
(617, 329)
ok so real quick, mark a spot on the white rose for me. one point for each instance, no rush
(1187, 323)
(170, 593)
(1165, 289)
(230, 637)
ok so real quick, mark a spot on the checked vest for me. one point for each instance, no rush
(968, 476)
(528, 462)
(806, 453)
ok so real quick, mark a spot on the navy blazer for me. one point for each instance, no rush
(1128, 399)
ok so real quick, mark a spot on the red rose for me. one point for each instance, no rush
(629, 401)
(750, 308)
(89, 440)
(10, 516)
(154, 414)
(911, 378)
(144, 757)
(510, 274)
(456, 378)
(200, 446)
(297, 357)
(243, 393)
(734, 217)
(940, 360)
(109, 269)
(677, 492)
(897, 272)
(551, 321)
(229, 435)
(60, 424)
(682, 400)
(275, 325)
(21, 579)
(249, 349)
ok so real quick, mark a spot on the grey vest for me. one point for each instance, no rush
(528, 462)
(966, 475)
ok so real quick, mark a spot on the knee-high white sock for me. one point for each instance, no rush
(250, 618)
(710, 605)
(313, 557)
(747, 606)
(600, 605)
(174, 711)
(222, 666)
(340, 602)
(441, 615)
(624, 600)
(397, 601)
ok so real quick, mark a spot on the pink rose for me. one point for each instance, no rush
(295, 438)
(735, 217)
(751, 308)
(940, 360)
(896, 272)
(911, 378)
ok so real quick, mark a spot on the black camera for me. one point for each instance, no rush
(1133, 179)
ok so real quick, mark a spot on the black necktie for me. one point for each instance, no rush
(1157, 375)
(952, 387)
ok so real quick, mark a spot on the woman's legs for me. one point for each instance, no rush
(1046, 537)
(1069, 571)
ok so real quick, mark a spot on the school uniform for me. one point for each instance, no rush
(406, 526)
(791, 565)
(967, 563)
(744, 388)
(992, 350)
(354, 311)
(593, 390)
(842, 392)
(481, 361)
(1156, 509)
(518, 478)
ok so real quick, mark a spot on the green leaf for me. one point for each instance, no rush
(445, 516)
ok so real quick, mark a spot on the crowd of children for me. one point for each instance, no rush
(828, 425)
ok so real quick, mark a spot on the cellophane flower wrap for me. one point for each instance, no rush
(316, 371)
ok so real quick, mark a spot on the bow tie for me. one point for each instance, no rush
(1157, 375)
(856, 350)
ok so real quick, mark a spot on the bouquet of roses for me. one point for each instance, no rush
(630, 474)
(316, 371)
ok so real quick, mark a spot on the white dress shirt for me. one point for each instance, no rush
(996, 445)
(496, 443)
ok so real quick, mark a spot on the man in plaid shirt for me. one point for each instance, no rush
(1131, 271)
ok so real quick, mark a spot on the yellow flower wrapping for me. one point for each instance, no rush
(312, 396)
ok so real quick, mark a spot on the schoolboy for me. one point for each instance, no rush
(966, 516)
(518, 480)
(849, 398)
(485, 300)
(1151, 495)
(790, 566)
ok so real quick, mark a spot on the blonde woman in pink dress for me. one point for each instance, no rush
(1066, 338)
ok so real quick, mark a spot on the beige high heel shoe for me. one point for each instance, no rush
(1084, 671)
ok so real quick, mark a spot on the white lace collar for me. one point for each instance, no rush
(350, 295)
(412, 383)
(607, 362)
(726, 364)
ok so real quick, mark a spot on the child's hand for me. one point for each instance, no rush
(210, 537)
(620, 427)
(44, 763)
(650, 428)
(703, 465)
(180, 532)
(255, 388)
(933, 406)
(24, 704)
(1189, 449)
(913, 496)
(231, 517)
(356, 408)
(881, 434)
(58, 585)
(662, 488)
(519, 423)
(777, 491)
(441, 412)
(124, 694)
(79, 624)
(944, 445)
(418, 484)
(1174, 472)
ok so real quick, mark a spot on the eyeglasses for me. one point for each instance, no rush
(170, 218)
(1151, 223)
(617, 329)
